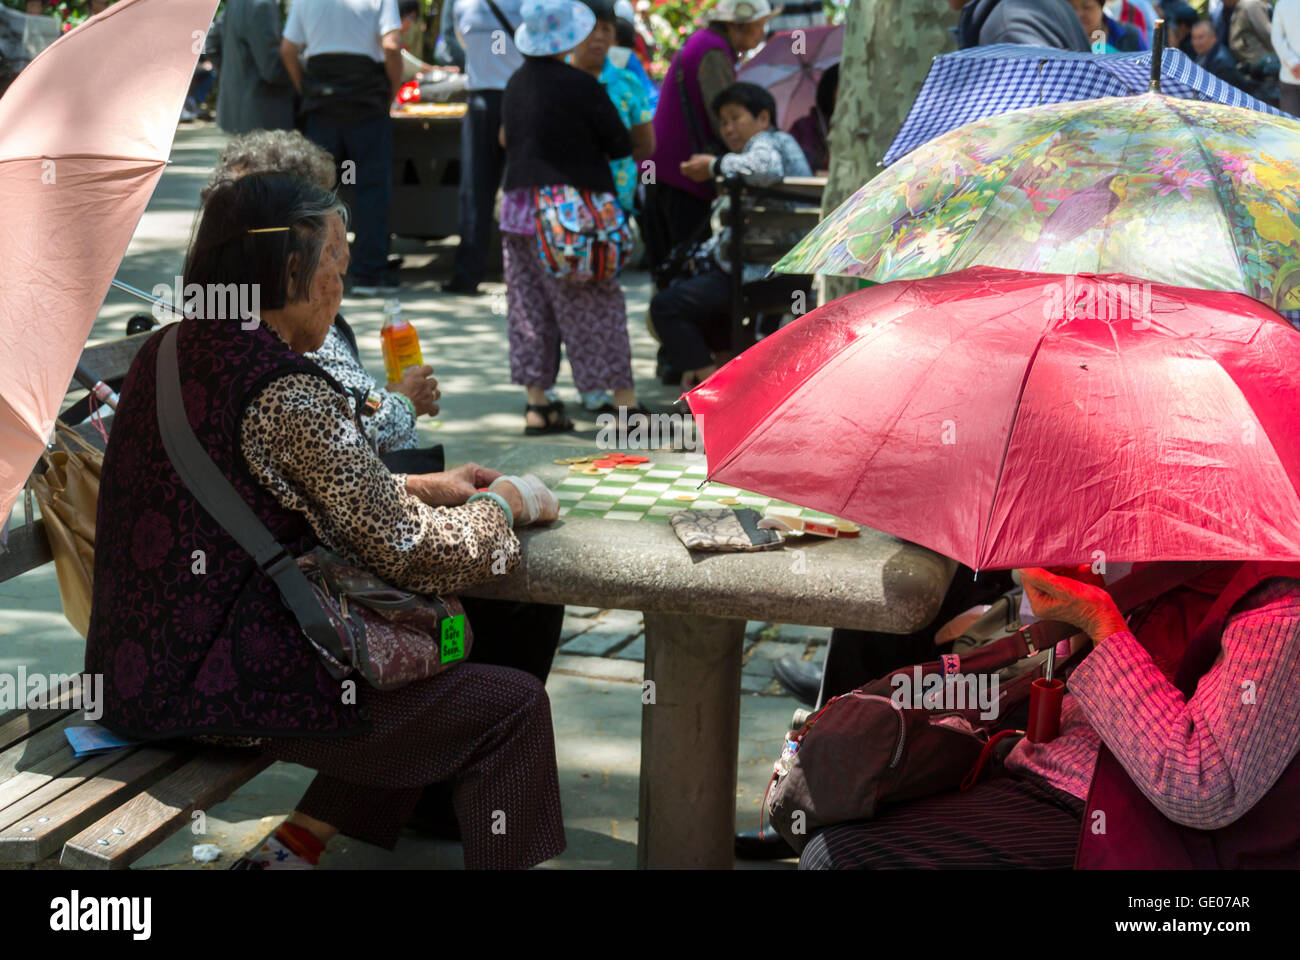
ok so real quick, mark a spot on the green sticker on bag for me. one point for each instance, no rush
(453, 638)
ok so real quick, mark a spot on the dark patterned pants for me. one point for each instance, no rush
(489, 727)
(542, 310)
(1008, 823)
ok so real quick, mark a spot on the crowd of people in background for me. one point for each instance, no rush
(1251, 44)
(334, 67)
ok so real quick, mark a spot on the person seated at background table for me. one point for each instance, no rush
(1113, 36)
(1207, 770)
(811, 130)
(216, 653)
(692, 317)
(412, 66)
(1212, 56)
(1179, 20)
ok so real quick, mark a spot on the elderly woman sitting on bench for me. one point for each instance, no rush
(192, 637)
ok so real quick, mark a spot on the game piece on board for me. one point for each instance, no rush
(729, 501)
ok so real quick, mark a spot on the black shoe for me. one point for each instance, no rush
(768, 845)
(462, 287)
(800, 678)
(553, 413)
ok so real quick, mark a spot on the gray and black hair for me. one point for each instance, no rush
(224, 251)
(273, 151)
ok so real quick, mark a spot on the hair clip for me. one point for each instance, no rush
(268, 230)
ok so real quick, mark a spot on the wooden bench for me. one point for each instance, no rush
(789, 209)
(106, 811)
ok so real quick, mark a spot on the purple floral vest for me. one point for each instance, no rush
(194, 642)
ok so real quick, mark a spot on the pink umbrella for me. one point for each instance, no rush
(789, 66)
(1012, 419)
(85, 132)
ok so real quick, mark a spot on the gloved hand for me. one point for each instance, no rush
(539, 503)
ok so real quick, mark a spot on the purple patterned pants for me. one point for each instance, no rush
(487, 727)
(542, 310)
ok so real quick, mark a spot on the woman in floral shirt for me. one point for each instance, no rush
(389, 415)
(628, 95)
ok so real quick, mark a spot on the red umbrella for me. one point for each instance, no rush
(983, 414)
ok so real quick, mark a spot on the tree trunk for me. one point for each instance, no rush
(888, 47)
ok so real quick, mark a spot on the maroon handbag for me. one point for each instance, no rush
(864, 750)
(388, 636)
(354, 620)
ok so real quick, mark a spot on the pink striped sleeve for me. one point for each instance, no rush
(1205, 761)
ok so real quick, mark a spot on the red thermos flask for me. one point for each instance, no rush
(1045, 696)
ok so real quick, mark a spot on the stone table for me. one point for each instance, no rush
(695, 608)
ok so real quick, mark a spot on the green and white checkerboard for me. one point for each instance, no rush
(651, 491)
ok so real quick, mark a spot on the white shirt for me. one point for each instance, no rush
(490, 53)
(1286, 38)
(342, 26)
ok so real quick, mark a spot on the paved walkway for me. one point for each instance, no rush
(595, 687)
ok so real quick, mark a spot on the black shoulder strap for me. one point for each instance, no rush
(501, 19)
(688, 111)
(219, 498)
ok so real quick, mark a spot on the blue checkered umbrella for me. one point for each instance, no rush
(985, 81)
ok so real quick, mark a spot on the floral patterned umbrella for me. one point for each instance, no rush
(1171, 190)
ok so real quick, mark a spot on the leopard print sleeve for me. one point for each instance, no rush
(302, 444)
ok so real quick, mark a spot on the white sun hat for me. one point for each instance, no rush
(553, 26)
(741, 11)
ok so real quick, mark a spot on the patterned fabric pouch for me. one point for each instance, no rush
(581, 234)
(389, 636)
(724, 531)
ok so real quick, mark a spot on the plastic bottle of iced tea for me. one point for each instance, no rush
(400, 342)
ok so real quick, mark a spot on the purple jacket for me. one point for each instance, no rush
(672, 129)
(188, 642)
(1139, 836)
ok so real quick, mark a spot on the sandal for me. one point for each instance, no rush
(556, 421)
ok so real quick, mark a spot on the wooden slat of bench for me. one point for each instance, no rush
(43, 831)
(111, 360)
(156, 814)
(44, 743)
(54, 776)
(28, 548)
(17, 725)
